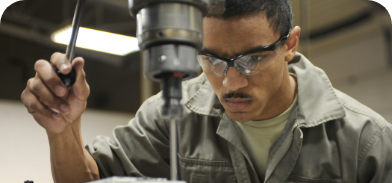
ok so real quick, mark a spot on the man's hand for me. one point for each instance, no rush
(52, 104)
(56, 107)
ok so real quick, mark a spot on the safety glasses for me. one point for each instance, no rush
(249, 64)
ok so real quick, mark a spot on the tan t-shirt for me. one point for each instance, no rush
(261, 135)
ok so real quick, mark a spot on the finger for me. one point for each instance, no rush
(36, 108)
(61, 62)
(81, 89)
(43, 115)
(49, 77)
(46, 97)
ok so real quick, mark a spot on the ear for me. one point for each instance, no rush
(292, 43)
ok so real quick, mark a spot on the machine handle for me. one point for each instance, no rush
(70, 78)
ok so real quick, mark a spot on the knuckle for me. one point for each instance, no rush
(79, 58)
(39, 64)
(26, 99)
(30, 111)
(85, 92)
(35, 85)
(22, 95)
(35, 107)
(29, 83)
(55, 55)
(57, 58)
(88, 89)
(83, 74)
(32, 106)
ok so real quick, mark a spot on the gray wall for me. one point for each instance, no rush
(24, 152)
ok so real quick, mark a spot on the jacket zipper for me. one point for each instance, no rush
(280, 159)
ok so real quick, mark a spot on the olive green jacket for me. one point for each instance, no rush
(329, 137)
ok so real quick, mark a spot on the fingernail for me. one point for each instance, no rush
(64, 108)
(59, 90)
(64, 67)
(56, 116)
(55, 110)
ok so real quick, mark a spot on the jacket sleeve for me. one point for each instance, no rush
(376, 166)
(140, 148)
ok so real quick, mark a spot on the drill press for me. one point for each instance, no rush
(170, 33)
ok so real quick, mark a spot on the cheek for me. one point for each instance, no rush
(216, 82)
(268, 81)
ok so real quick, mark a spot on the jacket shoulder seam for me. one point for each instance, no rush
(374, 119)
(368, 146)
(375, 136)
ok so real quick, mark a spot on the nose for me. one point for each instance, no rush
(234, 79)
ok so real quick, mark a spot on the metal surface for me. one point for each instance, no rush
(208, 7)
(70, 78)
(136, 5)
(170, 58)
(172, 110)
(173, 149)
(70, 52)
(169, 23)
(178, 35)
(171, 31)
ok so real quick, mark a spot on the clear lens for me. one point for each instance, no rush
(256, 62)
(247, 64)
(211, 64)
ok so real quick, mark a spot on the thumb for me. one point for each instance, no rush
(81, 89)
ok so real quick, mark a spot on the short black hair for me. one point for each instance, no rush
(278, 12)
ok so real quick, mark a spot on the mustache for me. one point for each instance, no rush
(236, 95)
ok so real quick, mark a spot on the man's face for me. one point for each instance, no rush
(245, 97)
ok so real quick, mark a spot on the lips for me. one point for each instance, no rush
(238, 104)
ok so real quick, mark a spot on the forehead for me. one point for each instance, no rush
(234, 36)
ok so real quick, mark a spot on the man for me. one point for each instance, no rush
(271, 117)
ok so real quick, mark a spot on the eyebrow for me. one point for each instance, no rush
(224, 55)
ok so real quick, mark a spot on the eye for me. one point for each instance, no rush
(256, 57)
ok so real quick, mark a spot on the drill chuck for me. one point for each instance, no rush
(172, 94)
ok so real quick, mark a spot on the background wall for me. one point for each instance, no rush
(361, 69)
(24, 149)
(350, 40)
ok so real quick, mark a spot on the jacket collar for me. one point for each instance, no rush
(204, 101)
(317, 100)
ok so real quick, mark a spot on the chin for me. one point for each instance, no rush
(240, 116)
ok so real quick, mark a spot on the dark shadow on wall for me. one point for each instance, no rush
(115, 88)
